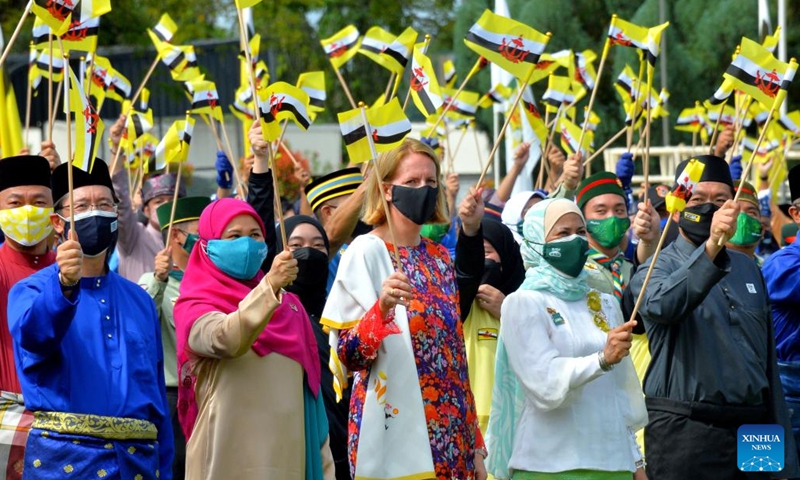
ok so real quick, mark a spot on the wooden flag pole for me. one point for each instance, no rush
(547, 125)
(50, 92)
(387, 95)
(229, 152)
(477, 143)
(605, 145)
(133, 102)
(29, 98)
(70, 184)
(379, 183)
(449, 104)
(14, 35)
(650, 268)
(344, 86)
(178, 179)
(448, 150)
(635, 104)
(279, 209)
(500, 135)
(716, 127)
(694, 138)
(646, 156)
(424, 50)
(603, 57)
(458, 146)
(549, 140)
(280, 142)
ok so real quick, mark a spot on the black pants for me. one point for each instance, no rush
(681, 446)
(179, 462)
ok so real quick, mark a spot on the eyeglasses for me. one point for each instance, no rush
(87, 207)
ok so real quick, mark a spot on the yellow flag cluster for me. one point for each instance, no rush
(758, 73)
(342, 46)
(282, 101)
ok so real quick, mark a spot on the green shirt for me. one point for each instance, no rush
(164, 295)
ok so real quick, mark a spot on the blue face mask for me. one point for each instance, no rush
(240, 258)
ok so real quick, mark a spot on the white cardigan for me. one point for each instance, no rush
(574, 416)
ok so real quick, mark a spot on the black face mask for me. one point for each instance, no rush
(492, 273)
(312, 277)
(97, 231)
(417, 204)
(311, 265)
(695, 222)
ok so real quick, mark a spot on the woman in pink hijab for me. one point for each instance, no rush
(247, 359)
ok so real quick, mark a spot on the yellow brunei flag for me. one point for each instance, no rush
(758, 73)
(499, 93)
(57, 14)
(450, 76)
(511, 45)
(174, 147)
(687, 181)
(88, 125)
(205, 99)
(282, 101)
(375, 41)
(388, 127)
(570, 134)
(465, 105)
(425, 89)
(342, 46)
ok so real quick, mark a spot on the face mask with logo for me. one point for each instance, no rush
(240, 258)
(191, 241)
(416, 204)
(608, 232)
(96, 230)
(27, 225)
(492, 273)
(695, 222)
(748, 230)
(567, 255)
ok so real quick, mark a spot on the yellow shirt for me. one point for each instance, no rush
(480, 336)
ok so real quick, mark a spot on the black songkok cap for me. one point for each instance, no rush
(24, 170)
(716, 169)
(98, 176)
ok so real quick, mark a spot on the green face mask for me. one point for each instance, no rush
(609, 231)
(435, 232)
(567, 255)
(748, 230)
(191, 240)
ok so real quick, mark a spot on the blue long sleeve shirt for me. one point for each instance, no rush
(783, 284)
(97, 353)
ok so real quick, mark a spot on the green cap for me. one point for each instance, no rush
(748, 194)
(596, 185)
(187, 209)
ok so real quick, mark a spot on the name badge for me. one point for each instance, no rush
(750, 287)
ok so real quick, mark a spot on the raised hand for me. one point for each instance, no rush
(618, 343)
(396, 290)
(163, 264)
(471, 211)
(69, 257)
(283, 272)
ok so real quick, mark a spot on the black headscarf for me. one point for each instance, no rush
(503, 242)
(312, 278)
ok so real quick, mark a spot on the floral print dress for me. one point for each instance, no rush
(438, 342)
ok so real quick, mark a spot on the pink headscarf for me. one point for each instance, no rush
(205, 288)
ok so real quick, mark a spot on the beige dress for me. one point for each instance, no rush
(250, 423)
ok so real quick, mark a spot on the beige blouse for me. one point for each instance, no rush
(250, 423)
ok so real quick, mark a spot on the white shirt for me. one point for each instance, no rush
(575, 415)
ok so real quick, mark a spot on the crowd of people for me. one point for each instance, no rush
(386, 330)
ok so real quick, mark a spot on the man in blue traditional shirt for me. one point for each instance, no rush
(783, 286)
(87, 346)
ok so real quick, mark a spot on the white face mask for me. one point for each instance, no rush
(27, 225)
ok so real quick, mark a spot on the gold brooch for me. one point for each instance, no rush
(599, 318)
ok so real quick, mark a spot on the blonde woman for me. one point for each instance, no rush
(398, 329)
